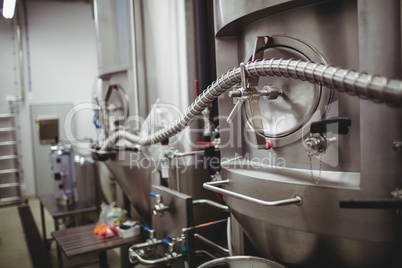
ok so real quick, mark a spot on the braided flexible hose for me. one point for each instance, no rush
(363, 85)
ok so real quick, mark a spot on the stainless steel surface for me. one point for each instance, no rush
(383, 123)
(114, 22)
(297, 200)
(279, 232)
(229, 14)
(241, 262)
(187, 174)
(339, 33)
(166, 43)
(317, 233)
(178, 216)
(84, 169)
(133, 172)
(167, 229)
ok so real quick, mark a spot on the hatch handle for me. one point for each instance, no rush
(336, 125)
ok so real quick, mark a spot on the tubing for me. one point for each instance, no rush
(213, 204)
(365, 86)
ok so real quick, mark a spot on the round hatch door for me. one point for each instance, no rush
(283, 118)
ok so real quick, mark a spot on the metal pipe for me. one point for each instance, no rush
(211, 203)
(177, 154)
(362, 85)
(134, 256)
(205, 253)
(229, 236)
(204, 225)
(212, 244)
(146, 244)
(297, 200)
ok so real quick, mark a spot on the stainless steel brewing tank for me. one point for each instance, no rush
(318, 233)
(134, 172)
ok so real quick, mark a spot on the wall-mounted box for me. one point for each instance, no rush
(48, 129)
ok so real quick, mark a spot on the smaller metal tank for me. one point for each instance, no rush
(64, 189)
(240, 262)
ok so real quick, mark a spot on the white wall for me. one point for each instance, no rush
(63, 64)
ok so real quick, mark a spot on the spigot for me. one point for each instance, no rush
(170, 242)
(318, 142)
(159, 208)
(151, 233)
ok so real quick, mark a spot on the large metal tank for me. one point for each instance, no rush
(147, 60)
(134, 174)
(317, 233)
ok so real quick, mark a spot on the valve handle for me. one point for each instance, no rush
(167, 240)
(241, 93)
(336, 125)
(236, 108)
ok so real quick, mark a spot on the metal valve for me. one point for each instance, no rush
(241, 93)
(317, 143)
(159, 208)
(248, 91)
(244, 93)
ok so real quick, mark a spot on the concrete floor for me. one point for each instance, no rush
(13, 249)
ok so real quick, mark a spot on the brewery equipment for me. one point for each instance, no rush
(64, 184)
(300, 140)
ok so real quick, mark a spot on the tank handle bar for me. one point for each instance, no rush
(212, 186)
